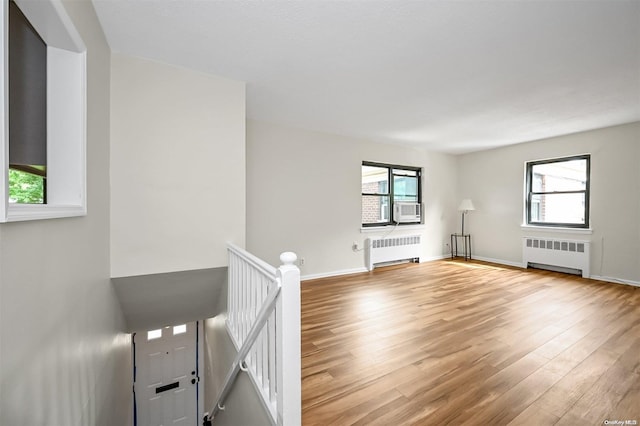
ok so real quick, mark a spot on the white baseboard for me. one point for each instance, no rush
(498, 261)
(333, 274)
(447, 256)
(593, 277)
(484, 259)
(431, 259)
(615, 280)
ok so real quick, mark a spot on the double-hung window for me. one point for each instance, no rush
(385, 185)
(558, 192)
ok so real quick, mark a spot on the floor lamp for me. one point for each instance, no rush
(465, 206)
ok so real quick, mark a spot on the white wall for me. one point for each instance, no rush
(304, 190)
(494, 180)
(178, 167)
(63, 357)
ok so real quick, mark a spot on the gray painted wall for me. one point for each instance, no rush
(242, 406)
(64, 356)
(157, 300)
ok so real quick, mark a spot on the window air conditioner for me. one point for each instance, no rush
(406, 212)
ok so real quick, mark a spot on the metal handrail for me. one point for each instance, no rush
(261, 319)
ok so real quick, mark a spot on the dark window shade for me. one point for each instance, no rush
(27, 92)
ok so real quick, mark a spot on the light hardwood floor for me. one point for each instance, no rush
(454, 342)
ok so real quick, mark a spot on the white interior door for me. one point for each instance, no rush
(166, 376)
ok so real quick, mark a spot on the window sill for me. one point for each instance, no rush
(22, 212)
(368, 229)
(556, 229)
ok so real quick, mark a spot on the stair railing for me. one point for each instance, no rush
(263, 322)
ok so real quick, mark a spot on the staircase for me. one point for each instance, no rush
(263, 323)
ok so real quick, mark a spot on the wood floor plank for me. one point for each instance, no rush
(561, 397)
(454, 342)
(534, 416)
(599, 402)
(627, 408)
(335, 407)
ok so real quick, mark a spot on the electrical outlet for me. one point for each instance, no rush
(301, 261)
(447, 249)
(355, 246)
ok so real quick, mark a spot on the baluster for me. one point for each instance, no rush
(265, 357)
(271, 326)
(233, 292)
(258, 345)
(243, 283)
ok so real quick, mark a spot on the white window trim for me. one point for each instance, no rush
(369, 229)
(556, 229)
(66, 114)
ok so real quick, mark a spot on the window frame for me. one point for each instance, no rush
(66, 114)
(390, 192)
(529, 165)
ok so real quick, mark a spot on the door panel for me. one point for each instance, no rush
(165, 366)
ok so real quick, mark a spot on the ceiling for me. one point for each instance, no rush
(451, 76)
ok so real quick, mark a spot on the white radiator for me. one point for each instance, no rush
(572, 254)
(380, 250)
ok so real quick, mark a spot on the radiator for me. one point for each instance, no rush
(572, 254)
(381, 250)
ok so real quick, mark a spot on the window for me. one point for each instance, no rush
(154, 334)
(42, 151)
(558, 192)
(28, 111)
(179, 329)
(384, 185)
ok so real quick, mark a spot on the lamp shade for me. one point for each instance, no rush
(466, 205)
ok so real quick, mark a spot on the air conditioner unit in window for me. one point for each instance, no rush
(404, 212)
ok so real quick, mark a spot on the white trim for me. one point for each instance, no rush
(333, 274)
(433, 258)
(447, 256)
(368, 229)
(592, 277)
(66, 132)
(361, 270)
(21, 212)
(499, 261)
(556, 229)
(615, 280)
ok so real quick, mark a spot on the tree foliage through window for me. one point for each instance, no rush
(25, 187)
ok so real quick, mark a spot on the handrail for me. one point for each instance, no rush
(259, 264)
(261, 319)
(264, 325)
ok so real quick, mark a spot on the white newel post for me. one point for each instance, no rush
(288, 347)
